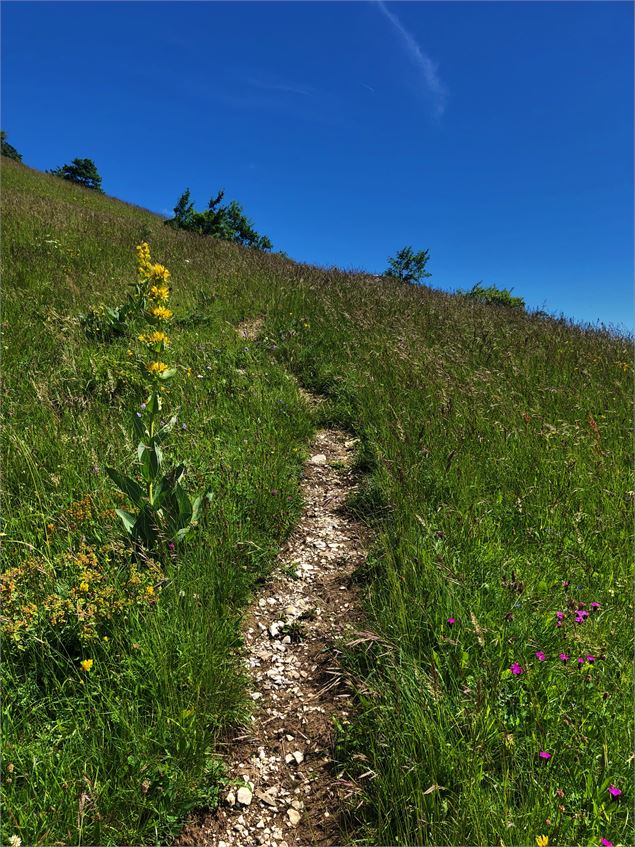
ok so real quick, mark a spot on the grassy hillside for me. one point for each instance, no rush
(497, 447)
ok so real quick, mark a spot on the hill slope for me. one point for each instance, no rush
(497, 447)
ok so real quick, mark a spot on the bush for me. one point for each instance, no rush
(7, 149)
(225, 222)
(494, 296)
(81, 171)
(408, 266)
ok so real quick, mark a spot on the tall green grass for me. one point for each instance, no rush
(498, 454)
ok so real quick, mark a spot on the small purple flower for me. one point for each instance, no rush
(566, 584)
(564, 658)
(590, 659)
(614, 792)
(138, 414)
(544, 755)
(595, 605)
(540, 655)
(560, 615)
(274, 492)
(516, 669)
(451, 621)
(580, 660)
(171, 546)
(605, 842)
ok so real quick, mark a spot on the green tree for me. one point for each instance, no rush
(7, 149)
(494, 296)
(82, 172)
(229, 223)
(408, 266)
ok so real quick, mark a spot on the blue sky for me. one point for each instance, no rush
(497, 135)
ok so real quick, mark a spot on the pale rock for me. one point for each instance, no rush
(244, 795)
(318, 459)
(294, 816)
(298, 755)
(231, 799)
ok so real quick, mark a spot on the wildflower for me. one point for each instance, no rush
(160, 292)
(87, 664)
(544, 755)
(560, 616)
(149, 590)
(153, 338)
(605, 842)
(595, 605)
(613, 791)
(184, 426)
(143, 407)
(516, 669)
(171, 546)
(451, 621)
(156, 367)
(83, 586)
(542, 840)
(161, 313)
(15, 841)
(159, 272)
(564, 658)
(580, 660)
(540, 655)
(565, 584)
(590, 659)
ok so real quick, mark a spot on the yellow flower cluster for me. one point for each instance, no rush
(156, 367)
(161, 313)
(73, 597)
(159, 272)
(87, 665)
(160, 292)
(154, 338)
(144, 265)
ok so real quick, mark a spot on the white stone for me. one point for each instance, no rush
(318, 459)
(298, 755)
(294, 816)
(231, 798)
(244, 795)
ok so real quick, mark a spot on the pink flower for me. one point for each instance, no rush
(540, 655)
(563, 657)
(590, 659)
(451, 621)
(516, 669)
(560, 615)
(605, 842)
(595, 605)
(614, 792)
(544, 755)
(580, 660)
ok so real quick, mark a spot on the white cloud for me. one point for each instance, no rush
(426, 65)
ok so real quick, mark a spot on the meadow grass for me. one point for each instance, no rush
(498, 458)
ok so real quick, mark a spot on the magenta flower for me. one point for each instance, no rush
(540, 655)
(581, 605)
(563, 657)
(595, 605)
(590, 659)
(560, 615)
(605, 842)
(580, 660)
(566, 583)
(516, 669)
(451, 621)
(544, 755)
(614, 792)
(172, 546)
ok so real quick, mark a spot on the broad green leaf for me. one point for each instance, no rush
(128, 486)
(127, 519)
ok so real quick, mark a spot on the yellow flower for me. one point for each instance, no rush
(144, 266)
(156, 367)
(542, 840)
(160, 292)
(161, 313)
(153, 338)
(149, 590)
(87, 664)
(159, 272)
(83, 586)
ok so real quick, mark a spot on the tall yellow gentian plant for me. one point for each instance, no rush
(164, 512)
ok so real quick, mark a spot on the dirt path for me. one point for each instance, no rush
(287, 791)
